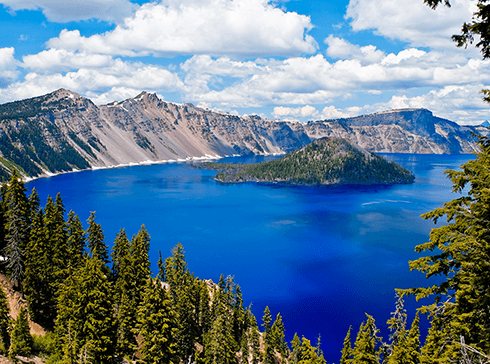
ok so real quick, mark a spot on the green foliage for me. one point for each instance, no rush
(364, 351)
(157, 325)
(4, 323)
(346, 353)
(327, 161)
(460, 252)
(21, 339)
(95, 240)
(17, 222)
(85, 326)
(44, 346)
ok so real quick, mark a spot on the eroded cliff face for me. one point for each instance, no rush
(63, 131)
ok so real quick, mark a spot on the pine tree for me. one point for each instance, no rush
(278, 337)
(204, 319)
(4, 323)
(238, 314)
(219, 344)
(76, 240)
(17, 223)
(364, 351)
(39, 283)
(95, 240)
(58, 239)
(161, 267)
(140, 261)
(346, 353)
(308, 354)
(434, 350)
(157, 325)
(268, 340)
(182, 289)
(85, 325)
(319, 352)
(397, 323)
(21, 339)
(460, 252)
(296, 349)
(124, 293)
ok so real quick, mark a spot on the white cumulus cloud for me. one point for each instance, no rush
(113, 11)
(411, 21)
(8, 66)
(281, 112)
(341, 49)
(217, 27)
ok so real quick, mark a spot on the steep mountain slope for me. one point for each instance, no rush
(63, 131)
(327, 161)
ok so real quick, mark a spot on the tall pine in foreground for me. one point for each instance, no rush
(157, 325)
(85, 325)
(459, 251)
(17, 221)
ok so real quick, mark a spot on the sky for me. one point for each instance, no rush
(288, 60)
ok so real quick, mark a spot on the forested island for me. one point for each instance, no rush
(325, 162)
(100, 306)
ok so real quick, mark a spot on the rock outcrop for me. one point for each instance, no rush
(63, 131)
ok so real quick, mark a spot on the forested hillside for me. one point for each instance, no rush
(103, 306)
(326, 161)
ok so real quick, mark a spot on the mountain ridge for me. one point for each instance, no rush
(63, 131)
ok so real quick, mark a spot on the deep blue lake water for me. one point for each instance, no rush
(319, 256)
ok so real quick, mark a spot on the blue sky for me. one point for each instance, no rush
(289, 60)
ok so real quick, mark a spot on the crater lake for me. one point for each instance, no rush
(322, 257)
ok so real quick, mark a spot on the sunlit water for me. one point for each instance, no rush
(319, 256)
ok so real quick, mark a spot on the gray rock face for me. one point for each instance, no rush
(146, 129)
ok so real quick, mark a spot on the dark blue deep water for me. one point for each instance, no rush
(322, 257)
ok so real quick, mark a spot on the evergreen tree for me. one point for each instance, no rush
(182, 289)
(58, 239)
(308, 354)
(219, 345)
(268, 339)
(397, 323)
(205, 319)
(460, 252)
(21, 338)
(76, 240)
(319, 352)
(39, 283)
(296, 349)
(364, 351)
(406, 350)
(140, 261)
(157, 325)
(17, 223)
(95, 240)
(238, 314)
(85, 325)
(161, 267)
(346, 353)
(434, 350)
(125, 296)
(255, 339)
(278, 337)
(4, 324)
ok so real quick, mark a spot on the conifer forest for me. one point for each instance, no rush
(100, 305)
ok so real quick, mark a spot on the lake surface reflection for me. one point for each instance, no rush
(319, 256)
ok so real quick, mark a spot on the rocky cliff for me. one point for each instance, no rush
(63, 131)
